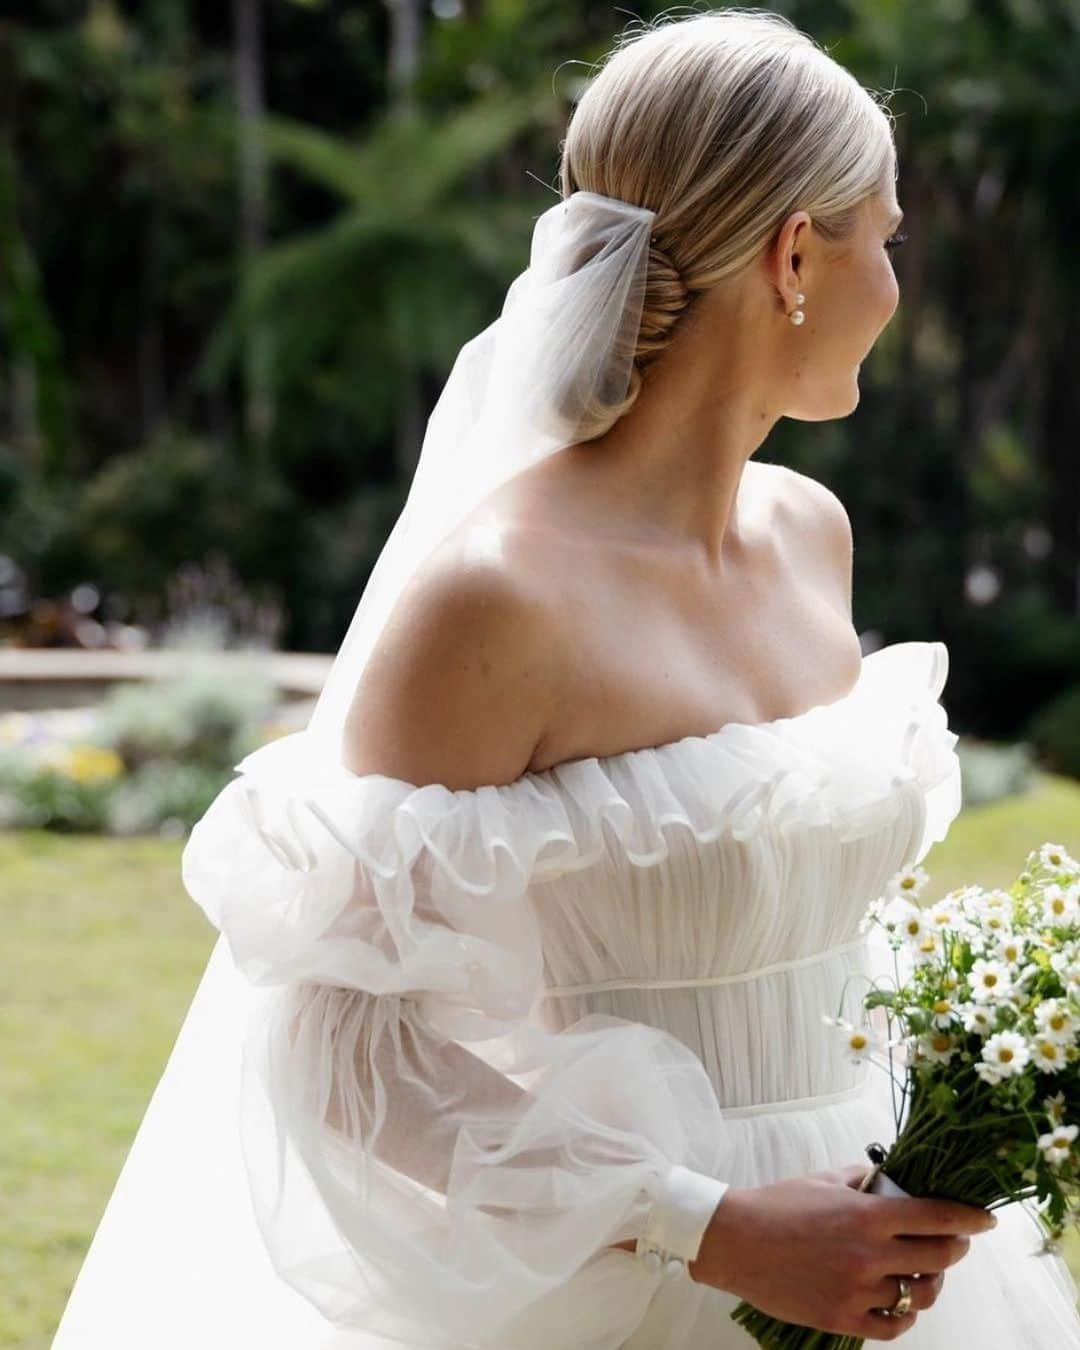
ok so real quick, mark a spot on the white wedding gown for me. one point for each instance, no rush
(672, 921)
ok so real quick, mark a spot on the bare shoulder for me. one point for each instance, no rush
(820, 518)
(459, 687)
(799, 492)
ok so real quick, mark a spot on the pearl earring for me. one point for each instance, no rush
(797, 315)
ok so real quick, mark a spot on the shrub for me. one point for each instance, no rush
(200, 718)
(990, 771)
(37, 794)
(165, 797)
(1055, 731)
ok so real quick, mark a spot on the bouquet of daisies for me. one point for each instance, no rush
(987, 1013)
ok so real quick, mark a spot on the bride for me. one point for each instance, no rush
(513, 1035)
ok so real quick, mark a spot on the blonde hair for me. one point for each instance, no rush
(722, 123)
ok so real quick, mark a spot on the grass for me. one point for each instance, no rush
(103, 950)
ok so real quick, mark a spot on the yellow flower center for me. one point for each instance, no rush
(858, 1041)
(989, 979)
(1048, 1050)
(942, 1006)
(1005, 1054)
(941, 1043)
(1056, 1021)
(913, 927)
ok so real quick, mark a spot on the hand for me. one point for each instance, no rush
(817, 1251)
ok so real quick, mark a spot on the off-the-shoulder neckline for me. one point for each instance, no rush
(639, 754)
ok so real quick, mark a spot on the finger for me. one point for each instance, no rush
(924, 1290)
(900, 1216)
(928, 1255)
(875, 1326)
(851, 1175)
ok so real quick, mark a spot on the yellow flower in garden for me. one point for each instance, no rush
(89, 763)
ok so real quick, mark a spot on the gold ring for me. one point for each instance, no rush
(903, 1302)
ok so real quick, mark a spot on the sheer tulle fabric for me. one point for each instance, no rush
(553, 369)
(481, 1031)
(409, 1124)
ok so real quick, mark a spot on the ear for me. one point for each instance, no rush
(786, 258)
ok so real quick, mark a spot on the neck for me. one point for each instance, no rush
(677, 457)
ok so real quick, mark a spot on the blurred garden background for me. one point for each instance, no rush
(240, 246)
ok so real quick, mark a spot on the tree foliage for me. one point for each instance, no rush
(407, 150)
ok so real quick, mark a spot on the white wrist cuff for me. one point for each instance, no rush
(678, 1218)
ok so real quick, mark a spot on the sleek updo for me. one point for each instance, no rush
(723, 123)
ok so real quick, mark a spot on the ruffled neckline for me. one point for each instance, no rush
(843, 765)
(274, 856)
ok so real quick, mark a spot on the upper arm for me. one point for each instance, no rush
(824, 521)
(458, 688)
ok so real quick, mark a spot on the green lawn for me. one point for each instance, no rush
(102, 953)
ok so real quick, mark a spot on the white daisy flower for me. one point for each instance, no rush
(1055, 1107)
(947, 916)
(1007, 1053)
(989, 980)
(995, 923)
(1058, 905)
(1010, 949)
(902, 917)
(1055, 858)
(1047, 1055)
(1057, 1144)
(943, 1012)
(937, 1046)
(931, 947)
(987, 1072)
(909, 881)
(861, 1041)
(1055, 1021)
(980, 905)
(977, 1018)
(967, 897)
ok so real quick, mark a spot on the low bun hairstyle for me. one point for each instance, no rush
(723, 123)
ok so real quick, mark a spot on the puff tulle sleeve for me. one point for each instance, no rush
(426, 1160)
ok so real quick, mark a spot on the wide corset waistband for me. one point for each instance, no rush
(706, 981)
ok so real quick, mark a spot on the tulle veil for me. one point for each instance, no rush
(178, 1242)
